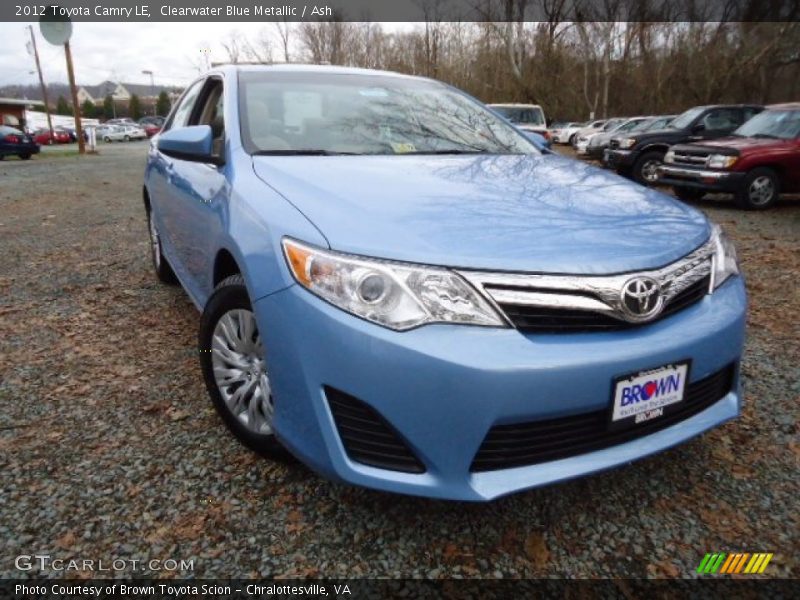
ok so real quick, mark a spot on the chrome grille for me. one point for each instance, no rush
(534, 302)
(686, 158)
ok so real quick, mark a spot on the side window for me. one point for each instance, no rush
(749, 113)
(721, 119)
(181, 115)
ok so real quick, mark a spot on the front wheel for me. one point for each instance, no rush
(645, 171)
(107, 139)
(162, 268)
(759, 191)
(688, 194)
(234, 368)
(25, 155)
(127, 138)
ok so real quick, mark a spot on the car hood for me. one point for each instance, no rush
(731, 145)
(527, 213)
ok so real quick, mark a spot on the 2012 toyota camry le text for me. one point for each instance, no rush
(404, 291)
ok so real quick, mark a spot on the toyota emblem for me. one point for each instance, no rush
(641, 298)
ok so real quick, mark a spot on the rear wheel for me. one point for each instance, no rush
(572, 140)
(645, 170)
(107, 139)
(127, 138)
(688, 194)
(760, 190)
(25, 155)
(234, 369)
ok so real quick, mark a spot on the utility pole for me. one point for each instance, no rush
(152, 88)
(41, 82)
(76, 109)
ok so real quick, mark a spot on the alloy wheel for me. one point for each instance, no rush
(650, 171)
(761, 190)
(240, 372)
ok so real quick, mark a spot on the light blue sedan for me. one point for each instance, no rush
(402, 290)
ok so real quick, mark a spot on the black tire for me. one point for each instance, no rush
(572, 140)
(107, 140)
(161, 265)
(759, 191)
(230, 294)
(25, 155)
(643, 170)
(127, 138)
(688, 194)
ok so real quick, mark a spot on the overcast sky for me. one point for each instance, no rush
(121, 51)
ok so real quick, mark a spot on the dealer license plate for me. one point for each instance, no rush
(643, 396)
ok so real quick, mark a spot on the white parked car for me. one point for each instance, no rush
(584, 136)
(565, 133)
(110, 133)
(133, 132)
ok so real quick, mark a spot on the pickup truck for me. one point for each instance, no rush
(756, 163)
(639, 155)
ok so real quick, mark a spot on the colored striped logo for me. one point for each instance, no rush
(738, 562)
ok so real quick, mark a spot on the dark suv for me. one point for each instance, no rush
(639, 155)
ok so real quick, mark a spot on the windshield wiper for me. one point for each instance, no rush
(765, 135)
(305, 152)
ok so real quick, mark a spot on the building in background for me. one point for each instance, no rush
(12, 111)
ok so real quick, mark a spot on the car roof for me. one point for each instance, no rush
(308, 68)
(513, 105)
(783, 106)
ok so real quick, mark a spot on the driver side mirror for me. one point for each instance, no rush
(194, 143)
(698, 127)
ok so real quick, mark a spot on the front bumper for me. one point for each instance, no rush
(617, 158)
(706, 179)
(442, 387)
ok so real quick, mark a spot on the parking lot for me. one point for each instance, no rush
(109, 446)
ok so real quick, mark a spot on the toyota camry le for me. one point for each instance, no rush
(405, 292)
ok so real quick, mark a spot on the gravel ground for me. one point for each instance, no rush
(109, 448)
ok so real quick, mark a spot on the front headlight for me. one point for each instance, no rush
(721, 161)
(627, 143)
(669, 157)
(395, 295)
(724, 262)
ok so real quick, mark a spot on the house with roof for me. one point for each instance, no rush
(122, 92)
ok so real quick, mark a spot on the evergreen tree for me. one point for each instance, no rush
(108, 107)
(88, 108)
(163, 105)
(135, 107)
(62, 107)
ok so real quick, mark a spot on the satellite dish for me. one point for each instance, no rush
(55, 29)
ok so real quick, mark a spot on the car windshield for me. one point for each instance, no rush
(612, 124)
(524, 115)
(325, 113)
(659, 123)
(685, 119)
(629, 125)
(779, 124)
(6, 130)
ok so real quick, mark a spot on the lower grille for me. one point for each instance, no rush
(540, 319)
(367, 437)
(507, 446)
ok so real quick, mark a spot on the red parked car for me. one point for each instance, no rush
(42, 136)
(150, 129)
(756, 164)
